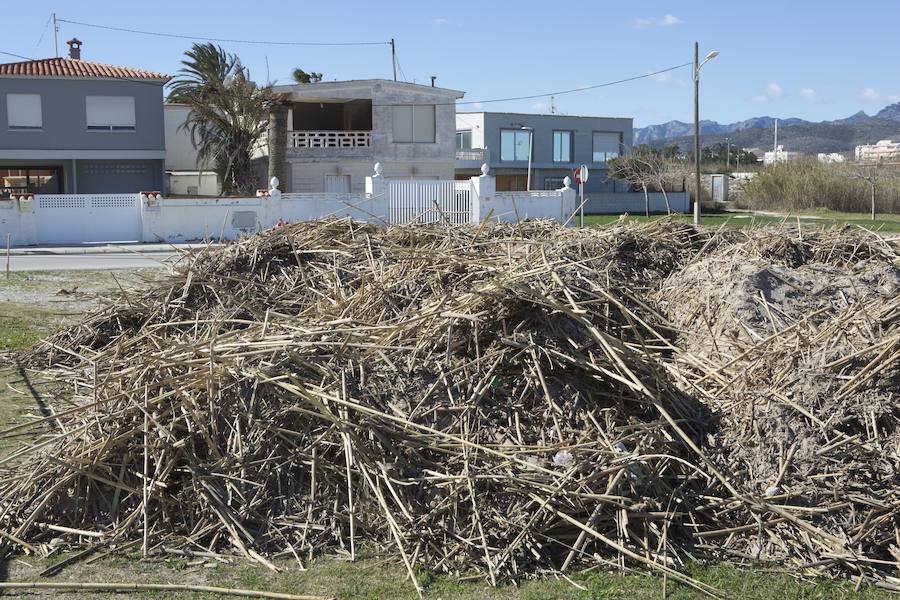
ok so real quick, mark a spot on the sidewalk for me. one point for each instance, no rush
(120, 248)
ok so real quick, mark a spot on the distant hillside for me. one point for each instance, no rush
(674, 129)
(797, 135)
(809, 138)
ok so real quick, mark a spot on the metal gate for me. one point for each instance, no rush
(417, 201)
(87, 218)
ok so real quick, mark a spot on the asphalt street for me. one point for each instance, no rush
(93, 262)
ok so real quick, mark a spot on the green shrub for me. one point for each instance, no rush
(805, 185)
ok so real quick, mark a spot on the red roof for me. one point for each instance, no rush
(68, 67)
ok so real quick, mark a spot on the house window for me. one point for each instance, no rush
(110, 113)
(464, 140)
(337, 184)
(514, 144)
(606, 145)
(34, 180)
(562, 146)
(414, 124)
(23, 111)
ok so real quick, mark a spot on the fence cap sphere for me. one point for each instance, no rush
(273, 183)
(485, 169)
(567, 181)
(378, 169)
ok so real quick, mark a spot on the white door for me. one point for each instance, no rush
(337, 184)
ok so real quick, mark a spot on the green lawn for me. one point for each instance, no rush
(883, 224)
(373, 577)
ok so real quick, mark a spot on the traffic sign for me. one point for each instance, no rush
(581, 174)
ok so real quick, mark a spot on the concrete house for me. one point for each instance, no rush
(558, 143)
(184, 175)
(334, 132)
(74, 126)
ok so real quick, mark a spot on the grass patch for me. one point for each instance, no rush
(812, 219)
(373, 578)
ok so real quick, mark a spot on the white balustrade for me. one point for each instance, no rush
(329, 139)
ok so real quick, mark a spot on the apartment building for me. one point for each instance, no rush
(880, 151)
(552, 144)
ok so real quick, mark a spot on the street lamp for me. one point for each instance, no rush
(530, 131)
(697, 66)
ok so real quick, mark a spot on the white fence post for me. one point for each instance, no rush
(569, 201)
(376, 194)
(483, 189)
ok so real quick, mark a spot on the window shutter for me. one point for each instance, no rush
(24, 111)
(403, 124)
(110, 112)
(423, 123)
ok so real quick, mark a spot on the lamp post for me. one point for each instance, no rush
(697, 66)
(530, 131)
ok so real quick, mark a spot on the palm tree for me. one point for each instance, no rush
(228, 114)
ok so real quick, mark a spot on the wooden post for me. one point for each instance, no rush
(146, 469)
(8, 238)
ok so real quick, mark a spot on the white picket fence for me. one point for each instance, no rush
(411, 201)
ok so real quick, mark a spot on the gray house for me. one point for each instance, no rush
(558, 144)
(74, 126)
(332, 133)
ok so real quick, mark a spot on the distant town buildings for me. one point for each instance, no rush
(780, 155)
(830, 157)
(882, 150)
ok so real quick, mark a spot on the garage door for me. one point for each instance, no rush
(118, 176)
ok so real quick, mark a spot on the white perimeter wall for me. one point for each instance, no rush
(634, 203)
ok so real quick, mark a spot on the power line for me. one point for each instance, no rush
(16, 55)
(43, 32)
(580, 89)
(213, 39)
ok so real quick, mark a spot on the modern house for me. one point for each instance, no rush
(185, 176)
(555, 144)
(780, 155)
(75, 126)
(334, 132)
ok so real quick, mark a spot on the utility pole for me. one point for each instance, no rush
(697, 132)
(775, 148)
(727, 154)
(55, 36)
(394, 58)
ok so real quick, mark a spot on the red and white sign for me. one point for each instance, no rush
(581, 174)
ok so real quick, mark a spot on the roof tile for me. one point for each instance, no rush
(68, 67)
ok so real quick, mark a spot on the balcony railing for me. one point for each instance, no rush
(471, 154)
(329, 139)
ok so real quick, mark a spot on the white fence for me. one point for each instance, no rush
(411, 201)
(148, 217)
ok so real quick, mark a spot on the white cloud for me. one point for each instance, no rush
(871, 95)
(810, 94)
(540, 106)
(773, 90)
(664, 21)
(440, 21)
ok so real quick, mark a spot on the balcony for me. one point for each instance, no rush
(472, 158)
(329, 139)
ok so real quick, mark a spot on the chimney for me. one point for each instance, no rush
(74, 49)
(433, 77)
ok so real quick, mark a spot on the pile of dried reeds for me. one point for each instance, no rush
(509, 398)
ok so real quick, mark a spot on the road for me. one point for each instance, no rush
(92, 262)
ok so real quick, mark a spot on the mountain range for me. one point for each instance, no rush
(797, 135)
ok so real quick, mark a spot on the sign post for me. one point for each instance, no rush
(581, 175)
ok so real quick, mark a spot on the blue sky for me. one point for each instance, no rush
(810, 59)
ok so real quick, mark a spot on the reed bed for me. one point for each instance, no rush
(508, 399)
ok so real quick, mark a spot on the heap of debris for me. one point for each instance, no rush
(508, 398)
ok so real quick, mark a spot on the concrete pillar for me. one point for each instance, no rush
(377, 201)
(483, 189)
(278, 145)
